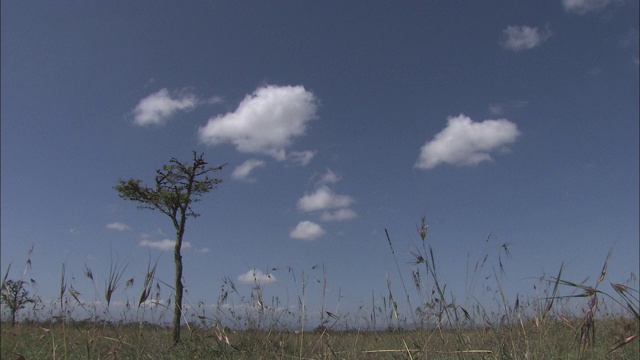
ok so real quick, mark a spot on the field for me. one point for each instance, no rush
(550, 340)
(568, 320)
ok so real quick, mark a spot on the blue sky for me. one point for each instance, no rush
(337, 120)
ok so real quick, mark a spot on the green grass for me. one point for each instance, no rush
(568, 320)
(87, 340)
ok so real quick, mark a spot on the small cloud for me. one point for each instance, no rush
(307, 230)
(301, 158)
(496, 109)
(204, 250)
(243, 171)
(155, 234)
(118, 226)
(501, 108)
(255, 276)
(265, 122)
(157, 108)
(329, 177)
(582, 7)
(163, 245)
(465, 142)
(338, 215)
(518, 38)
(213, 100)
(323, 198)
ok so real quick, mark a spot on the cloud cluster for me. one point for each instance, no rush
(255, 276)
(159, 107)
(518, 38)
(265, 122)
(333, 207)
(465, 142)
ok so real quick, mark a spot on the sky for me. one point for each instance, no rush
(513, 124)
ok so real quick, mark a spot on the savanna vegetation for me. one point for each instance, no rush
(564, 320)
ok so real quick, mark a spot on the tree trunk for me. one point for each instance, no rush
(177, 312)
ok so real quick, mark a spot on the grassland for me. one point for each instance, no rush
(86, 340)
(568, 321)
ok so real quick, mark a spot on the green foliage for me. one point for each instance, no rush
(177, 186)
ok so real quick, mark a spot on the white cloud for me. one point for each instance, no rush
(307, 230)
(254, 276)
(265, 122)
(243, 171)
(204, 250)
(164, 245)
(118, 226)
(329, 177)
(338, 215)
(157, 108)
(335, 207)
(584, 6)
(323, 198)
(301, 158)
(465, 142)
(518, 38)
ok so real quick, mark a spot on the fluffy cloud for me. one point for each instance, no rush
(255, 276)
(323, 198)
(584, 6)
(307, 230)
(164, 245)
(157, 108)
(518, 38)
(338, 215)
(118, 226)
(465, 142)
(335, 207)
(265, 122)
(243, 170)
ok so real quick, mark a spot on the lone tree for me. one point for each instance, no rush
(178, 185)
(15, 297)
